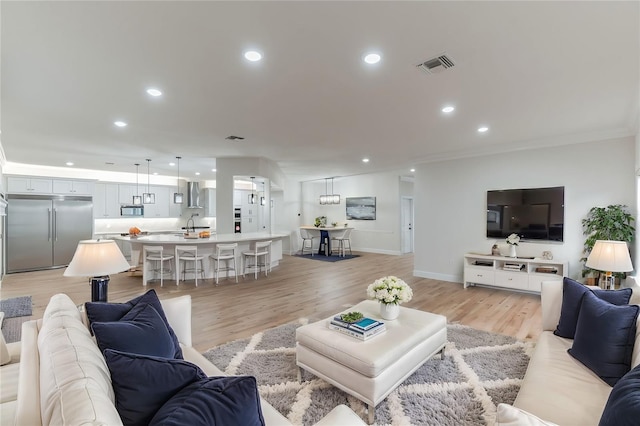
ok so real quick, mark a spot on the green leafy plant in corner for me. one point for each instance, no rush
(613, 223)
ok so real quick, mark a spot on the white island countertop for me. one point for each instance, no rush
(178, 238)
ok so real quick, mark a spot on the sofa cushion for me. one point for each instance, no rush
(105, 312)
(143, 333)
(623, 405)
(232, 400)
(572, 294)
(604, 338)
(508, 415)
(74, 383)
(142, 384)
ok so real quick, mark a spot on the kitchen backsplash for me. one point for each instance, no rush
(122, 225)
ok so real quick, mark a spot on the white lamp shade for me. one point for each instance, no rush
(94, 258)
(610, 256)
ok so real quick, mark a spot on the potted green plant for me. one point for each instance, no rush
(613, 222)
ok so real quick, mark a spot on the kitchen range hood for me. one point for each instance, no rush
(193, 195)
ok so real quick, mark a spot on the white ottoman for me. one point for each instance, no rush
(370, 370)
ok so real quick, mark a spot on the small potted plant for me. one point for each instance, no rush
(390, 292)
(513, 240)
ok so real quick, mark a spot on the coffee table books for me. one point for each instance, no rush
(363, 329)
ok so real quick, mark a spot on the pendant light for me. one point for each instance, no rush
(263, 200)
(324, 199)
(252, 196)
(334, 198)
(148, 197)
(177, 196)
(137, 199)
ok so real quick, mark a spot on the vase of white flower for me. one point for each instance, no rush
(513, 241)
(390, 292)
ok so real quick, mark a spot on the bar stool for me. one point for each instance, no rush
(186, 254)
(153, 261)
(261, 250)
(307, 236)
(343, 239)
(225, 253)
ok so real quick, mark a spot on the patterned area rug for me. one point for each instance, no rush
(16, 311)
(480, 370)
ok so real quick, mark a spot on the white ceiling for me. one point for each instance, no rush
(537, 73)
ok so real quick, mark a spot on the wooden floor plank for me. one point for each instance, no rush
(298, 288)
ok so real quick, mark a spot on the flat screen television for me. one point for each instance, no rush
(533, 213)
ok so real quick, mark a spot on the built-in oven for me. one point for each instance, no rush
(131, 211)
(237, 220)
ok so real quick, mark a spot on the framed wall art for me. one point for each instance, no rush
(361, 208)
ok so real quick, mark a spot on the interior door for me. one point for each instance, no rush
(407, 224)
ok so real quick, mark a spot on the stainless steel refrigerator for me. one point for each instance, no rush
(43, 231)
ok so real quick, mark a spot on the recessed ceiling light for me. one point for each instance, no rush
(120, 123)
(197, 173)
(372, 58)
(482, 129)
(154, 92)
(448, 109)
(214, 170)
(155, 173)
(252, 55)
(412, 170)
(172, 164)
(69, 163)
(365, 160)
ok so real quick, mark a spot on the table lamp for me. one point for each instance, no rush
(609, 257)
(97, 259)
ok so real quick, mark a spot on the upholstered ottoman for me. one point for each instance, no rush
(369, 370)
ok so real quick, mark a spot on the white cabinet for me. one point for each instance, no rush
(522, 274)
(161, 207)
(72, 187)
(209, 202)
(105, 201)
(249, 224)
(29, 185)
(126, 193)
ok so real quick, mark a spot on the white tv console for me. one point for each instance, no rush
(524, 274)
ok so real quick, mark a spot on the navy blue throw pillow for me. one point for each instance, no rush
(604, 337)
(142, 384)
(623, 405)
(144, 334)
(222, 401)
(107, 312)
(572, 294)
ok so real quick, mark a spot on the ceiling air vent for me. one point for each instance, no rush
(437, 64)
(234, 138)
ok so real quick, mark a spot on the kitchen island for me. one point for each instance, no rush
(206, 246)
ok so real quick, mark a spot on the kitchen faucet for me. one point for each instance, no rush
(193, 224)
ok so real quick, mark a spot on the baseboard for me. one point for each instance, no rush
(440, 277)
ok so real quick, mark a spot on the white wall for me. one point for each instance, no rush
(450, 200)
(377, 236)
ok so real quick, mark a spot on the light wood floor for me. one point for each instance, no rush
(298, 288)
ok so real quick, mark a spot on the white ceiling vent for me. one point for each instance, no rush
(437, 64)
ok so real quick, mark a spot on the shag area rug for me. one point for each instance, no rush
(332, 258)
(16, 311)
(480, 370)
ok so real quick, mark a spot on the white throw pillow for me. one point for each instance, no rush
(5, 357)
(508, 415)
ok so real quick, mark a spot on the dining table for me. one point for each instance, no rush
(325, 236)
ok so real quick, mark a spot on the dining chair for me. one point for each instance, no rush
(225, 253)
(260, 256)
(343, 239)
(185, 255)
(306, 237)
(154, 260)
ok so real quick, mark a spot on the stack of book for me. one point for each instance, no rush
(512, 266)
(547, 269)
(363, 329)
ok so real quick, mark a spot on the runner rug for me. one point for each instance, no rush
(16, 311)
(480, 370)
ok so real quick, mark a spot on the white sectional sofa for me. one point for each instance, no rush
(57, 375)
(557, 388)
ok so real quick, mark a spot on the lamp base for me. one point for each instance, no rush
(99, 288)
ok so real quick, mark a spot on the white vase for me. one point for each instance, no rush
(389, 311)
(512, 250)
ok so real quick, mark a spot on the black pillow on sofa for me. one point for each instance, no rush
(604, 339)
(142, 333)
(107, 312)
(572, 294)
(142, 384)
(222, 401)
(623, 405)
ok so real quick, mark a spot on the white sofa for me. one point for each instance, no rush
(557, 388)
(59, 376)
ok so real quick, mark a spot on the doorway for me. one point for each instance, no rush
(406, 224)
